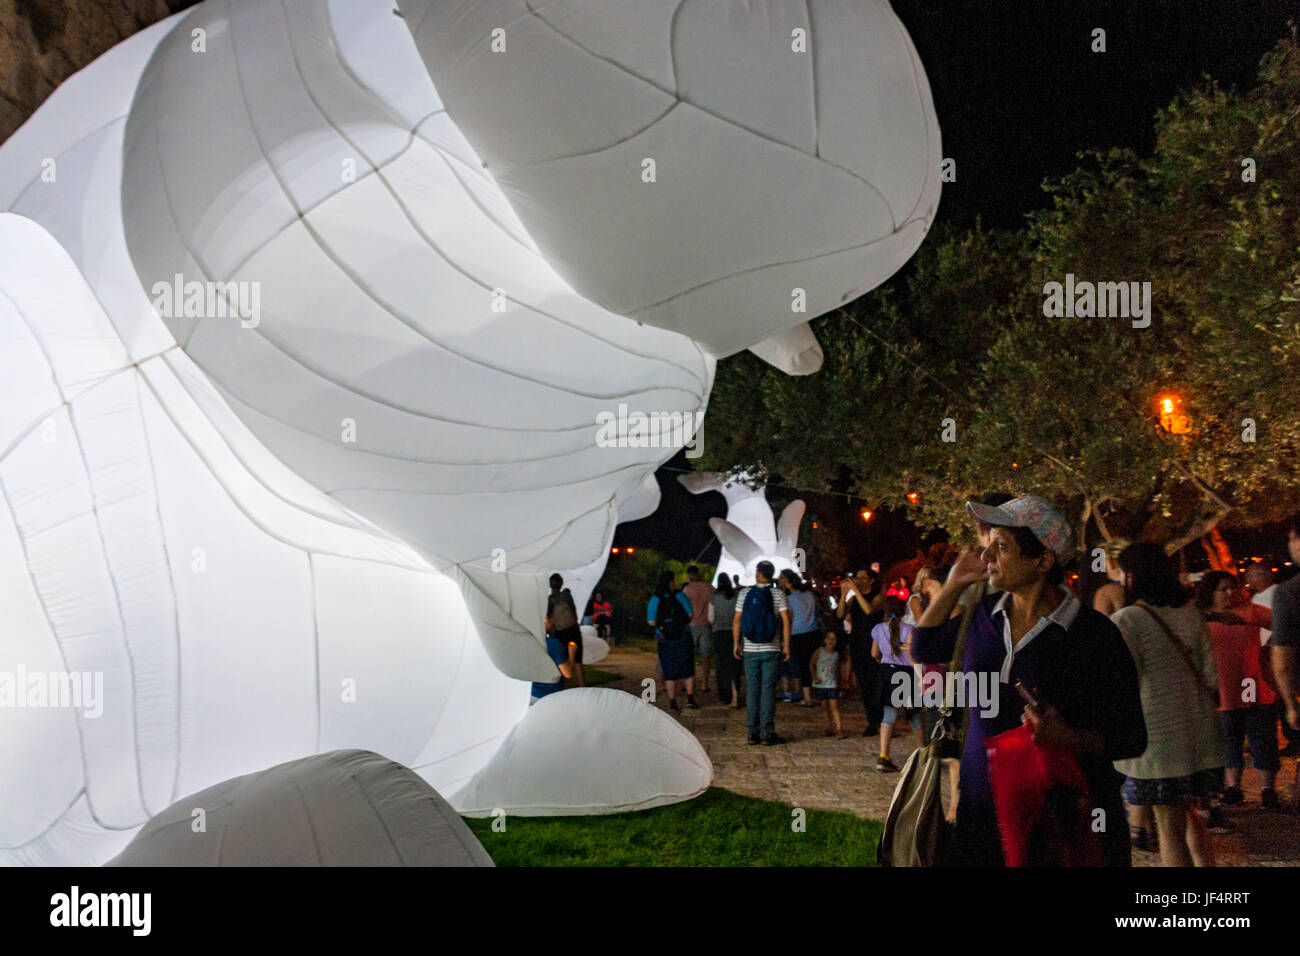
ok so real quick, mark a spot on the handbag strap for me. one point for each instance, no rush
(1210, 695)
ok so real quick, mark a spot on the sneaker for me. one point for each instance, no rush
(871, 732)
(1268, 799)
(885, 765)
(753, 739)
(1232, 796)
(690, 702)
(1144, 840)
(672, 704)
(771, 740)
(1217, 821)
(783, 697)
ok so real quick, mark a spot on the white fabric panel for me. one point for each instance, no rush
(120, 465)
(876, 83)
(407, 624)
(39, 746)
(481, 697)
(589, 750)
(593, 102)
(84, 213)
(146, 537)
(75, 838)
(746, 205)
(371, 38)
(744, 68)
(626, 34)
(244, 603)
(345, 808)
(49, 493)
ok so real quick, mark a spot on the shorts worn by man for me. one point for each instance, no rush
(699, 592)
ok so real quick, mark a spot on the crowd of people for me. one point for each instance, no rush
(1151, 693)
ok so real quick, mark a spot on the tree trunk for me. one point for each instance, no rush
(1204, 522)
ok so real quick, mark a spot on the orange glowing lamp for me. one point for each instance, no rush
(1172, 419)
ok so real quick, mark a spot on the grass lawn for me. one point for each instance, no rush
(718, 828)
(595, 676)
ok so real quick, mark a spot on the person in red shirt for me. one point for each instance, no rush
(602, 614)
(1246, 701)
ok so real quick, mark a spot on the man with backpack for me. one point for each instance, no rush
(761, 635)
(562, 624)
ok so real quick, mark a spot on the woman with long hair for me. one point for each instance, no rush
(722, 608)
(1183, 763)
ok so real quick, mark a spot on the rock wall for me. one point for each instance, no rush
(42, 42)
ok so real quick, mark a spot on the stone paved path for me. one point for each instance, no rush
(817, 772)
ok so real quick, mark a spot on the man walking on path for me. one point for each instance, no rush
(699, 593)
(761, 635)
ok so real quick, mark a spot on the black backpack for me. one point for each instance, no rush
(670, 617)
(758, 621)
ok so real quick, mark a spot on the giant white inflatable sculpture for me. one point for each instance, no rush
(303, 411)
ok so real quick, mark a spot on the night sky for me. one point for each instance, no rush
(1019, 93)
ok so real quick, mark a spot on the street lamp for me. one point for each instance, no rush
(1169, 407)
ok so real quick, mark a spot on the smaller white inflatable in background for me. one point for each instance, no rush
(343, 808)
(589, 750)
(594, 649)
(749, 534)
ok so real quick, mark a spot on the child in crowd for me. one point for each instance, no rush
(892, 641)
(825, 665)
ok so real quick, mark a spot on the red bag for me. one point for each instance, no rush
(1042, 804)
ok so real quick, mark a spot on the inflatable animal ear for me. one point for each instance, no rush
(794, 351)
(787, 528)
(741, 546)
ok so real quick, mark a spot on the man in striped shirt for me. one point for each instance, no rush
(762, 642)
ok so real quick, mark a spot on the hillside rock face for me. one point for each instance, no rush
(43, 42)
